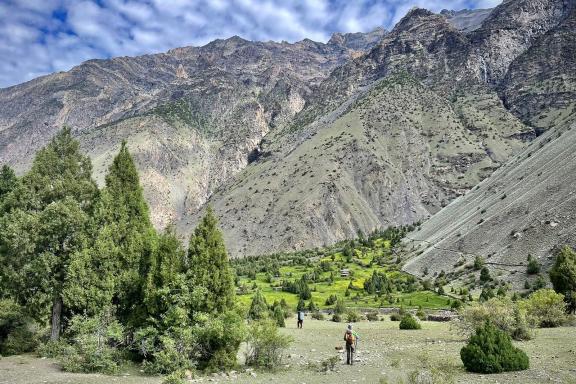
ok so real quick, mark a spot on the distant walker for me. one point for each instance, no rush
(300, 317)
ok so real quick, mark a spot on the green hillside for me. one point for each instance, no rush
(281, 276)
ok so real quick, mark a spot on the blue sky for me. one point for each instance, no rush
(43, 36)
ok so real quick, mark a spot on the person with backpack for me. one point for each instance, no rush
(300, 317)
(350, 340)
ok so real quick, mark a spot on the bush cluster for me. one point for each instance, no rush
(17, 333)
(265, 344)
(409, 322)
(490, 350)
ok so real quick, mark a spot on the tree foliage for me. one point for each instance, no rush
(209, 273)
(490, 350)
(92, 263)
(563, 276)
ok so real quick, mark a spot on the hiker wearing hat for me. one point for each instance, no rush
(350, 340)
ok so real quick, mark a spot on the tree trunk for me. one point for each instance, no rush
(56, 318)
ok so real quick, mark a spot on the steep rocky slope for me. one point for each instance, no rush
(392, 155)
(527, 207)
(191, 115)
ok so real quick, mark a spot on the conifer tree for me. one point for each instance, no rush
(8, 180)
(162, 284)
(563, 276)
(125, 233)
(278, 315)
(258, 307)
(46, 230)
(210, 276)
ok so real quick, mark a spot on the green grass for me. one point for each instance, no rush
(377, 256)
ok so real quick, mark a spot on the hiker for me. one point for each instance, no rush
(355, 334)
(300, 319)
(350, 343)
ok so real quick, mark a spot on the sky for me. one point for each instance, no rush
(38, 37)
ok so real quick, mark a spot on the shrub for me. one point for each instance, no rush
(353, 316)
(421, 314)
(478, 263)
(533, 266)
(17, 334)
(372, 316)
(175, 378)
(563, 276)
(265, 345)
(490, 350)
(545, 308)
(456, 304)
(485, 275)
(337, 318)
(95, 343)
(409, 322)
(54, 349)
(318, 315)
(329, 364)
(395, 316)
(500, 312)
(217, 340)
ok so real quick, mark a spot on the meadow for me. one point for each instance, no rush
(325, 273)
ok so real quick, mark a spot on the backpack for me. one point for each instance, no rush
(349, 339)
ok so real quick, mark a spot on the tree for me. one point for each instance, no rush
(46, 230)
(124, 232)
(8, 180)
(162, 282)
(209, 273)
(545, 308)
(340, 307)
(301, 305)
(533, 266)
(278, 315)
(258, 307)
(563, 276)
(485, 275)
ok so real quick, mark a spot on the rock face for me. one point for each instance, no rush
(466, 20)
(525, 207)
(298, 145)
(191, 116)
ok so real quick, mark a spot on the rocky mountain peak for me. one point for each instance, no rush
(414, 18)
(466, 20)
(358, 40)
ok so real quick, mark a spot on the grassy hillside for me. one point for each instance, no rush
(321, 269)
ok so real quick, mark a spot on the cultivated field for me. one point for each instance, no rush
(386, 355)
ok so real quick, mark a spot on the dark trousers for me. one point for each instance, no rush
(349, 354)
(300, 322)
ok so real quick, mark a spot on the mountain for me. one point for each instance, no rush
(527, 206)
(192, 115)
(301, 145)
(392, 136)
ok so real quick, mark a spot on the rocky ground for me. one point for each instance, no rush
(386, 355)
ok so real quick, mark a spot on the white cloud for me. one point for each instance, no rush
(42, 36)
